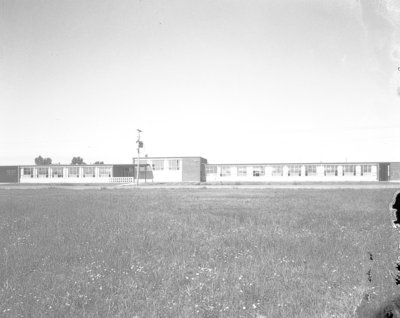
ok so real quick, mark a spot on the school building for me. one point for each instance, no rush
(197, 169)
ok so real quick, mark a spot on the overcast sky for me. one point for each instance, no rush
(229, 80)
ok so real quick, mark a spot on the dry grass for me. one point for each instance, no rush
(194, 253)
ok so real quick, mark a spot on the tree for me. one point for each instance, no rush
(77, 161)
(40, 161)
(99, 163)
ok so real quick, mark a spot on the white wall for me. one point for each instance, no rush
(320, 176)
(166, 175)
(65, 178)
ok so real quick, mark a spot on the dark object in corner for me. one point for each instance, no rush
(389, 309)
(398, 277)
(396, 207)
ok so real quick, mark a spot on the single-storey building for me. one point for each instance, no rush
(197, 169)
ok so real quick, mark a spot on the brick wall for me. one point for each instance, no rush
(9, 174)
(193, 169)
(395, 171)
(203, 170)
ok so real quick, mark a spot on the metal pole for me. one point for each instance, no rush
(138, 153)
(138, 167)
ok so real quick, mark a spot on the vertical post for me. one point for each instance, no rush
(138, 153)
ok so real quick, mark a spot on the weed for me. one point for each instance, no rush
(193, 253)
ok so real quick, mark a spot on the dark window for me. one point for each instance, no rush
(57, 172)
(225, 171)
(294, 170)
(311, 170)
(258, 171)
(349, 170)
(330, 170)
(158, 165)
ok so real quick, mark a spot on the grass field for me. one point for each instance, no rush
(195, 252)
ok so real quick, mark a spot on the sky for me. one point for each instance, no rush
(234, 81)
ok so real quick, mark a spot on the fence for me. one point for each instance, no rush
(122, 180)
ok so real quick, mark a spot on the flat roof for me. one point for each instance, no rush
(209, 164)
(298, 163)
(67, 165)
(177, 157)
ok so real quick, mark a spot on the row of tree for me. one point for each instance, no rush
(40, 161)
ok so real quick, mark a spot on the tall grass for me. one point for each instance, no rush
(194, 253)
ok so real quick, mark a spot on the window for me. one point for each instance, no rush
(330, 170)
(104, 172)
(258, 171)
(311, 170)
(73, 172)
(43, 172)
(225, 171)
(211, 170)
(294, 170)
(158, 165)
(88, 172)
(173, 164)
(349, 170)
(366, 170)
(144, 167)
(28, 172)
(57, 172)
(277, 170)
(127, 172)
(242, 171)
